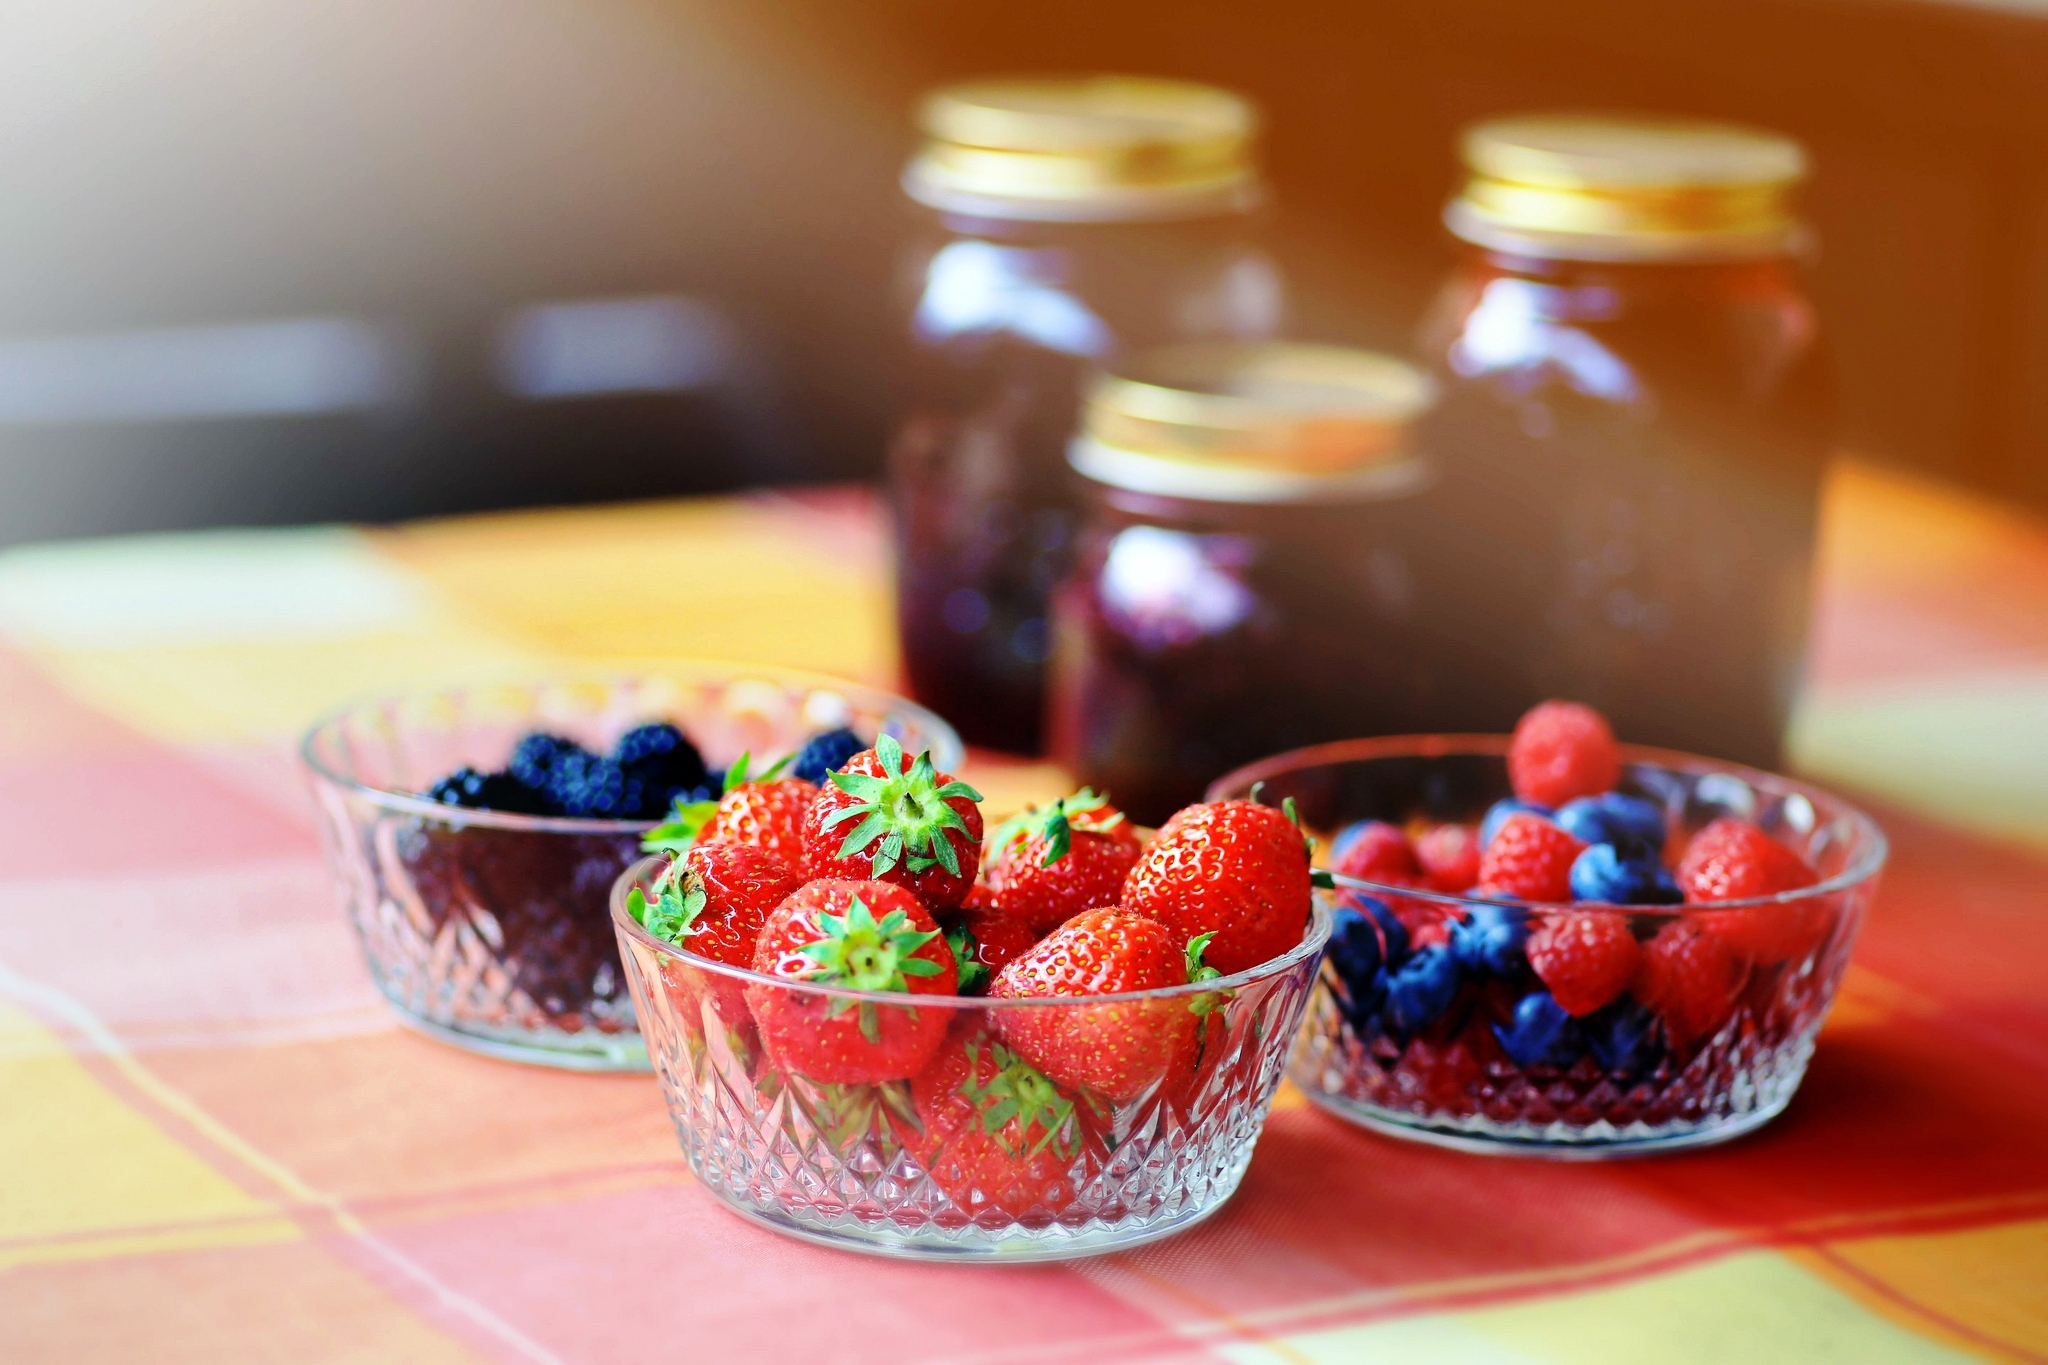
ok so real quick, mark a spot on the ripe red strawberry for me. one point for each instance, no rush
(1449, 855)
(868, 936)
(1054, 861)
(1529, 859)
(997, 1135)
(984, 942)
(767, 814)
(1234, 869)
(1688, 976)
(714, 900)
(1114, 1050)
(886, 818)
(1732, 859)
(1585, 957)
(1561, 750)
(1375, 851)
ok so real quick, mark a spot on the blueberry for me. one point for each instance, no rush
(1422, 989)
(1393, 934)
(1613, 818)
(1542, 1034)
(1490, 939)
(1355, 950)
(826, 753)
(1623, 875)
(1622, 1037)
(1501, 810)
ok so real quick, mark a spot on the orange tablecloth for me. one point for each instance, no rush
(215, 1144)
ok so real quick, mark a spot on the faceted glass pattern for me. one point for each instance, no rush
(1624, 1083)
(493, 931)
(888, 1166)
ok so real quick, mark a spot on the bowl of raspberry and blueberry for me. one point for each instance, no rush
(476, 833)
(880, 1023)
(1557, 944)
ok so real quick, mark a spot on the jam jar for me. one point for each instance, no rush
(1246, 580)
(1630, 440)
(1062, 224)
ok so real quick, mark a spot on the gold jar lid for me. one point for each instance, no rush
(1264, 423)
(1585, 187)
(1093, 149)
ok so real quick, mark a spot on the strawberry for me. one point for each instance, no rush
(1113, 1050)
(714, 900)
(1054, 861)
(1375, 851)
(1561, 750)
(1688, 976)
(866, 936)
(885, 818)
(1449, 855)
(997, 1135)
(1234, 869)
(765, 812)
(984, 942)
(1732, 859)
(1529, 859)
(1585, 957)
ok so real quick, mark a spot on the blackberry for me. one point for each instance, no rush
(662, 759)
(472, 790)
(826, 753)
(587, 787)
(463, 787)
(537, 757)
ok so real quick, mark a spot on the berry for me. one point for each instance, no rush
(1561, 750)
(995, 1133)
(1585, 957)
(885, 817)
(536, 757)
(1357, 956)
(1622, 1038)
(584, 786)
(1234, 869)
(1623, 876)
(662, 762)
(1613, 818)
(1375, 851)
(1499, 811)
(1393, 934)
(865, 935)
(767, 814)
(1421, 989)
(1734, 860)
(1114, 1050)
(825, 753)
(473, 790)
(1688, 976)
(1529, 859)
(984, 942)
(714, 900)
(1449, 855)
(1542, 1033)
(1491, 938)
(1055, 861)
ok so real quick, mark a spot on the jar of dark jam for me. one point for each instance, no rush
(1064, 223)
(1246, 580)
(1631, 434)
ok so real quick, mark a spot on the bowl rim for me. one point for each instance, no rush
(1320, 922)
(613, 674)
(1868, 862)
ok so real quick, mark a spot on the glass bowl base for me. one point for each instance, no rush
(592, 1051)
(1486, 1138)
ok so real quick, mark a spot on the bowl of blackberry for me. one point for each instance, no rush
(1556, 944)
(476, 832)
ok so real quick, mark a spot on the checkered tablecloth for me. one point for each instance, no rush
(216, 1145)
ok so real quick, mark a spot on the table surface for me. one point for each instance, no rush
(216, 1144)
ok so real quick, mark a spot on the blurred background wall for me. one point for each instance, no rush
(268, 262)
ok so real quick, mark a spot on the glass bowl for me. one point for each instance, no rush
(490, 930)
(934, 1166)
(1434, 1055)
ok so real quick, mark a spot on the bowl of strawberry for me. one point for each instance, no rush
(1557, 944)
(925, 1037)
(476, 833)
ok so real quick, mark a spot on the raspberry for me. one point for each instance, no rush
(1375, 851)
(1529, 859)
(1585, 957)
(1561, 750)
(1688, 976)
(1449, 855)
(1734, 860)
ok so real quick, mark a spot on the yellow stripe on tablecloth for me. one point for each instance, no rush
(1982, 1288)
(88, 1176)
(1755, 1306)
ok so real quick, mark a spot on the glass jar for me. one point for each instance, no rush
(1068, 222)
(1245, 580)
(1632, 431)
